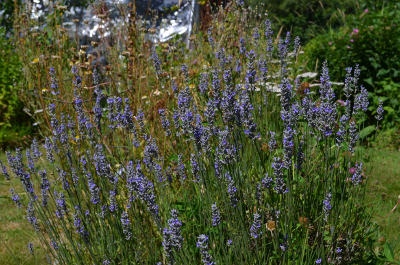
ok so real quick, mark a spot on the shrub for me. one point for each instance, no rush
(230, 162)
(370, 39)
(11, 106)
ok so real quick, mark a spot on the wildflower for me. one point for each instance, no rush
(215, 214)
(366, 10)
(229, 243)
(284, 244)
(330, 43)
(319, 261)
(327, 205)
(36, 154)
(167, 244)
(296, 45)
(251, 76)
(348, 47)
(61, 205)
(255, 228)
(202, 243)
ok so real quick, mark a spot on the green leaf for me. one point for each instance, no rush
(388, 109)
(369, 81)
(389, 252)
(366, 131)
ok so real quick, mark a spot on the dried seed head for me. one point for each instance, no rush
(152, 31)
(23, 15)
(63, 30)
(303, 221)
(61, 8)
(55, 57)
(107, 68)
(141, 55)
(94, 44)
(86, 22)
(75, 20)
(102, 16)
(126, 54)
(271, 225)
(84, 47)
(35, 34)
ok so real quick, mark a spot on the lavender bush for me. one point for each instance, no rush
(254, 169)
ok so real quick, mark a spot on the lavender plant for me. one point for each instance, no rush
(104, 197)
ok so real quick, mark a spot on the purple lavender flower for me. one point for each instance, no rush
(36, 154)
(126, 225)
(256, 36)
(216, 87)
(181, 168)
(140, 119)
(353, 136)
(251, 76)
(156, 62)
(348, 82)
(54, 84)
(61, 205)
(202, 243)
(216, 217)
(167, 244)
(195, 167)
(258, 192)
(211, 39)
(203, 86)
(229, 243)
(268, 35)
(296, 45)
(16, 198)
(319, 261)
(256, 226)
(164, 122)
(327, 205)
(49, 152)
(242, 47)
(356, 178)
(379, 110)
(4, 170)
(175, 230)
(54, 244)
(174, 86)
(231, 190)
(113, 201)
(185, 72)
(44, 187)
(30, 247)
(355, 79)
(280, 186)
(300, 155)
(267, 181)
(94, 191)
(32, 218)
